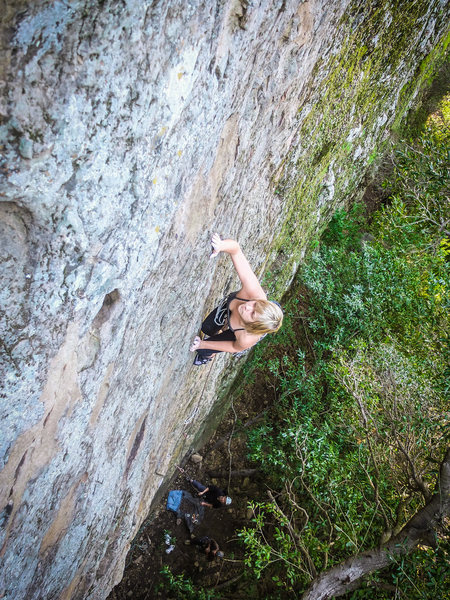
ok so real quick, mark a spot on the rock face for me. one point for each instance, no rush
(130, 131)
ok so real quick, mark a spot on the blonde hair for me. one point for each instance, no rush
(269, 321)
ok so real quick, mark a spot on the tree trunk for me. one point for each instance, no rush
(420, 528)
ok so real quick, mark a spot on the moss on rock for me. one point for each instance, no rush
(363, 91)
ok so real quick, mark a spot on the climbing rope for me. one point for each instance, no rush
(229, 445)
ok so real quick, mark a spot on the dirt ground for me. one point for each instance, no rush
(225, 452)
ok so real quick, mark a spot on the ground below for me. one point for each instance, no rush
(224, 463)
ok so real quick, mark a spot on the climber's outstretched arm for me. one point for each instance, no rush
(251, 287)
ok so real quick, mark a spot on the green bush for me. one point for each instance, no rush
(350, 449)
(179, 587)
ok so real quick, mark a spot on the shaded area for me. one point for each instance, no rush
(148, 553)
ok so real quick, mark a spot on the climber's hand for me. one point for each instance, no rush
(217, 244)
(195, 344)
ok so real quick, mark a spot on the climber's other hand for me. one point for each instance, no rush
(195, 344)
(217, 245)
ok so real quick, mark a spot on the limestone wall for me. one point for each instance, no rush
(131, 130)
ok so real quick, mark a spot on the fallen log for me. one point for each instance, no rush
(236, 473)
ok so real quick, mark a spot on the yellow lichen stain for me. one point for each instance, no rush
(63, 517)
(180, 75)
(162, 131)
(154, 181)
(37, 446)
(102, 394)
(69, 591)
(157, 229)
(180, 152)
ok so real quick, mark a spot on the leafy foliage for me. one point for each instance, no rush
(352, 446)
(423, 575)
(182, 588)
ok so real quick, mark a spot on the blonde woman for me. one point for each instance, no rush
(243, 317)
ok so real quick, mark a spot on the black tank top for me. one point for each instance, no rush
(231, 297)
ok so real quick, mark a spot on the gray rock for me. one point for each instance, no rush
(26, 148)
(146, 127)
(196, 459)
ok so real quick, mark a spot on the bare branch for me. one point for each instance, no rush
(421, 485)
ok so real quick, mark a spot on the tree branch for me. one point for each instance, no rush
(340, 579)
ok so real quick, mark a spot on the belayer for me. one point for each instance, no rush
(243, 317)
(211, 496)
(208, 546)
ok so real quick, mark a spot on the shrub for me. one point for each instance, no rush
(350, 448)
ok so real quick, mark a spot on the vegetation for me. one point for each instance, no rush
(182, 588)
(335, 149)
(353, 445)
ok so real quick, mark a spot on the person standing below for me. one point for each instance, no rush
(243, 317)
(211, 496)
(209, 546)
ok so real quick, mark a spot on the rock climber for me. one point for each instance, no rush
(243, 317)
(211, 496)
(209, 546)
